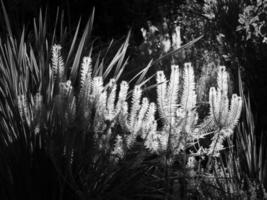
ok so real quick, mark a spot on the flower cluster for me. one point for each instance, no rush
(101, 109)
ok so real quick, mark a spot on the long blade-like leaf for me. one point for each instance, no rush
(86, 34)
(187, 45)
(6, 19)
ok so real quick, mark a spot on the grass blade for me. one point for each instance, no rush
(7, 22)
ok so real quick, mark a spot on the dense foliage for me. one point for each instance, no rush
(80, 121)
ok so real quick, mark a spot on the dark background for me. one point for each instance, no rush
(113, 18)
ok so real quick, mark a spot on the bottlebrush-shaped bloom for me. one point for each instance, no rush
(179, 118)
(86, 71)
(223, 117)
(57, 62)
(136, 121)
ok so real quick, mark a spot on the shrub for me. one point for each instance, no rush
(68, 119)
